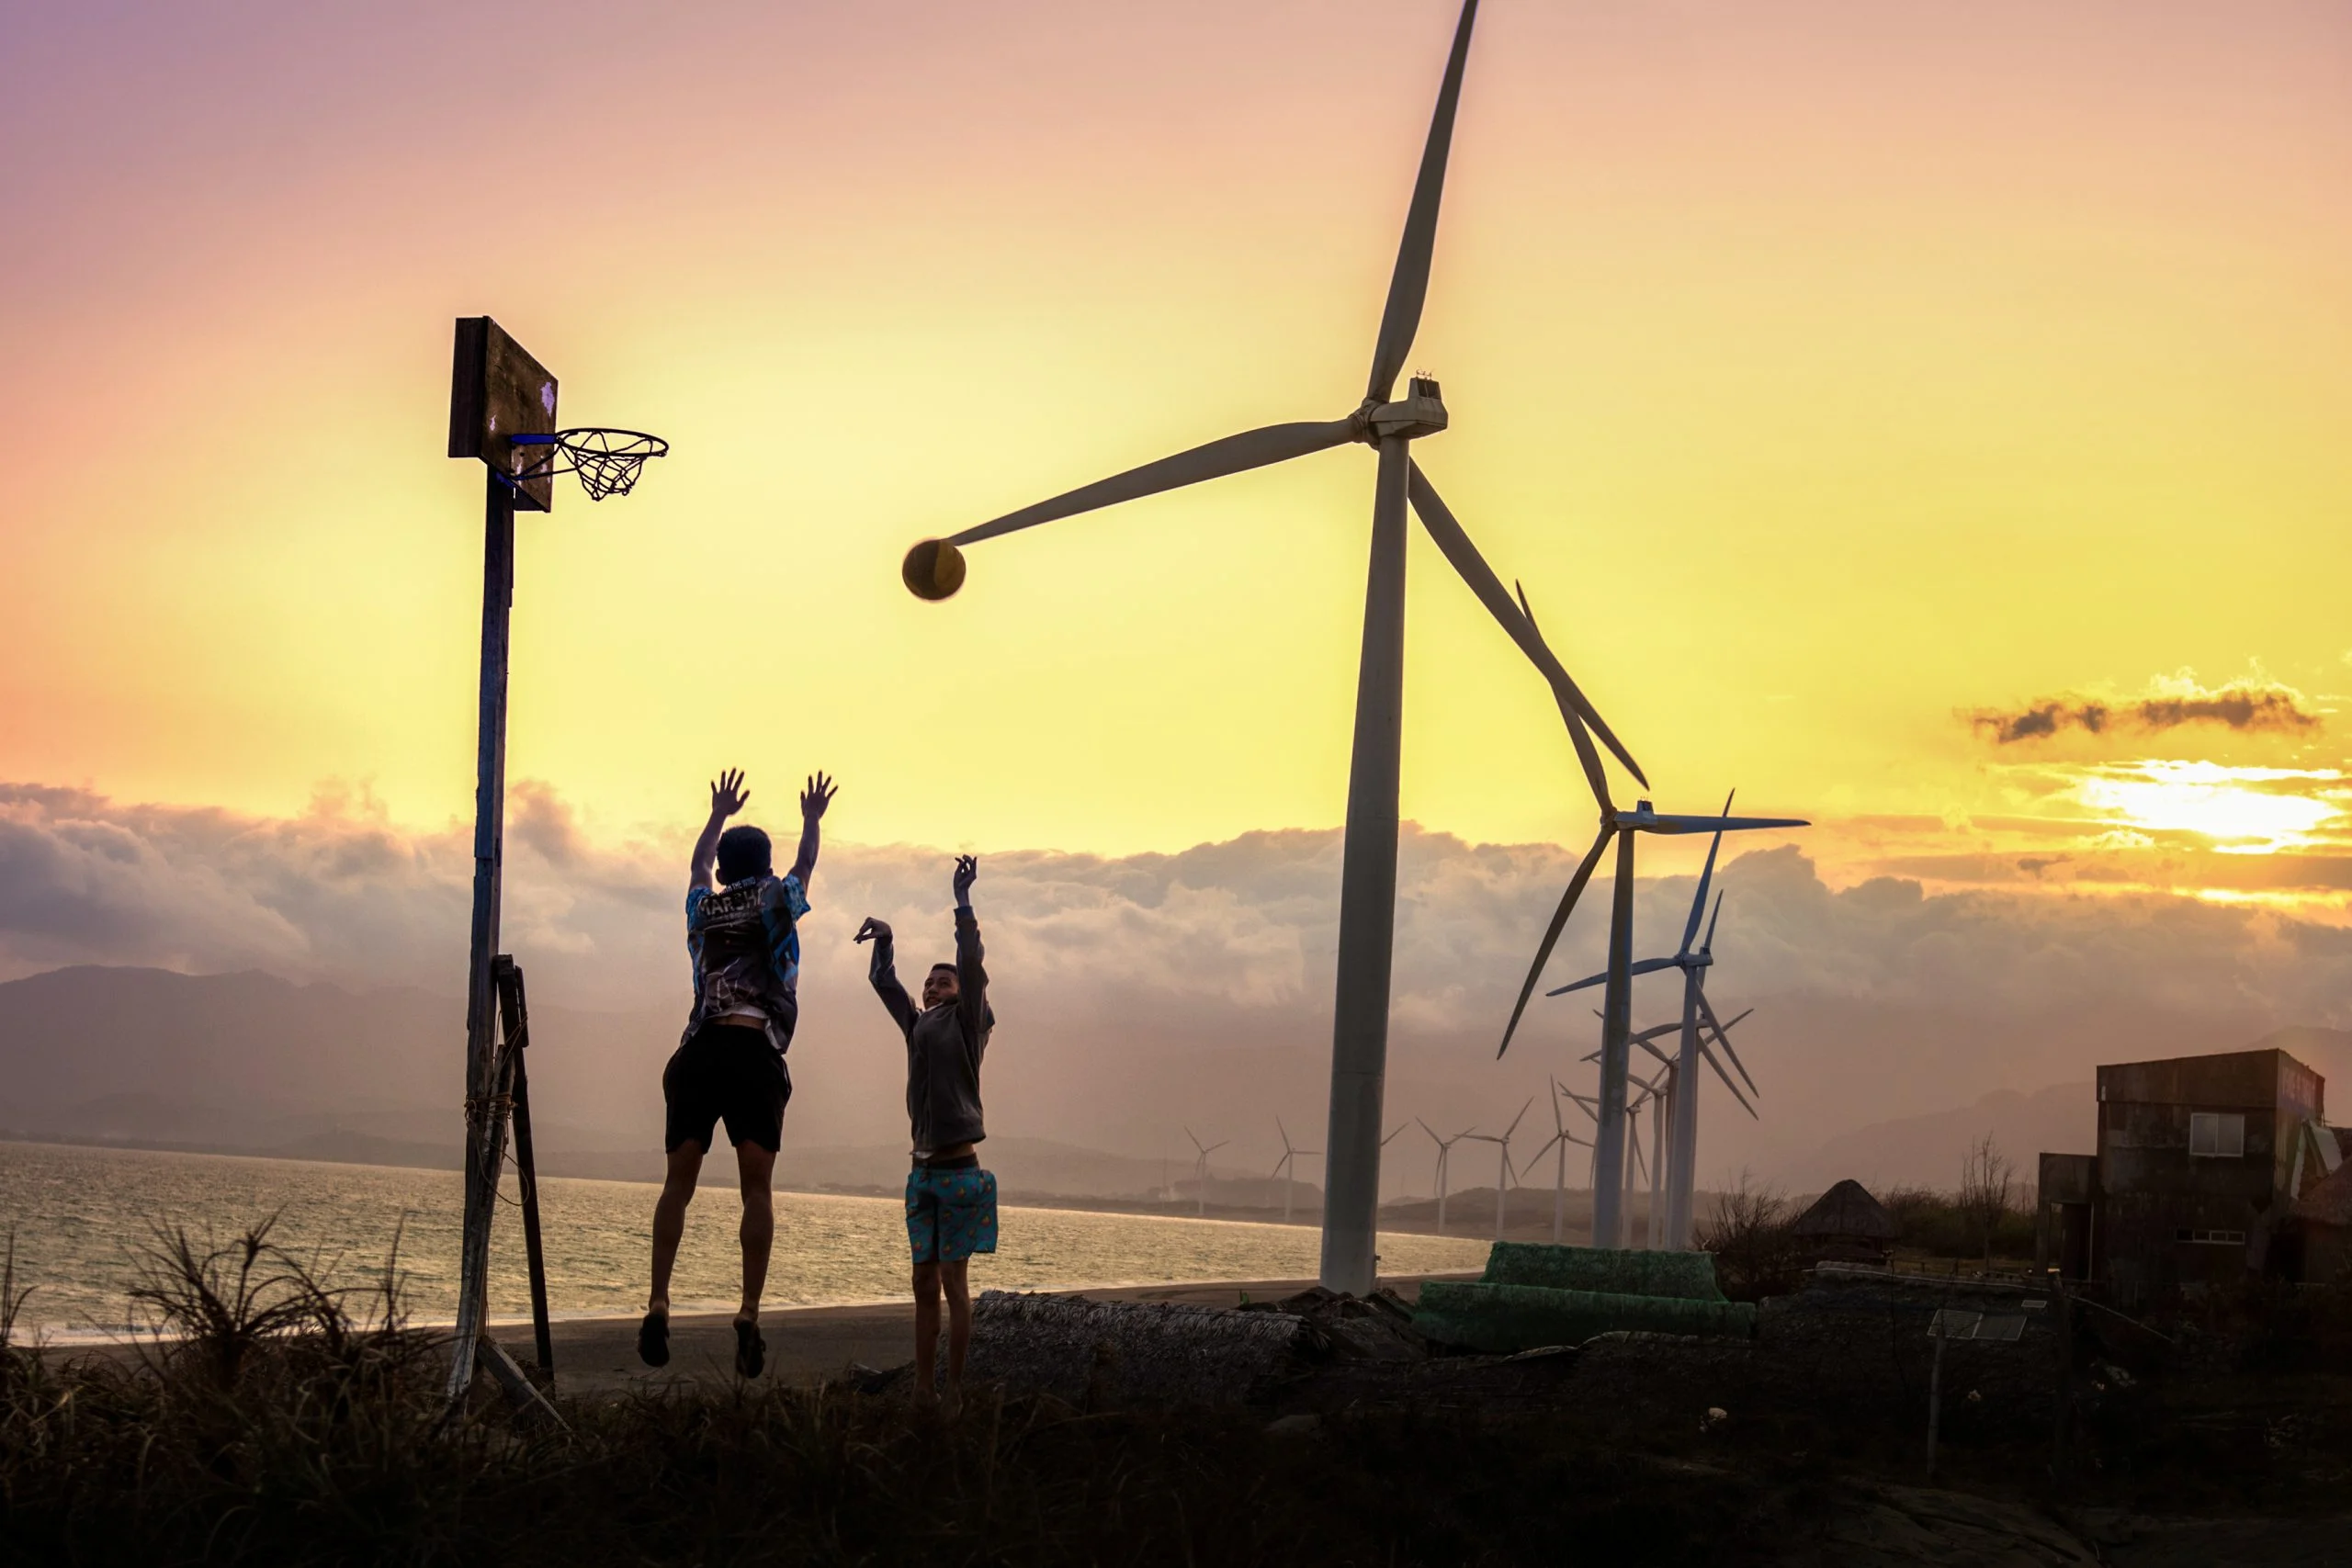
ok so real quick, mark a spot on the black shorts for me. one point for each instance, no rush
(725, 1071)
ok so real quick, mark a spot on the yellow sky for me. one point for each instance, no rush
(1828, 372)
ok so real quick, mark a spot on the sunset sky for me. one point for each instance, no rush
(1927, 418)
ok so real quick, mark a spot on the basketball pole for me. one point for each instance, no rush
(485, 1103)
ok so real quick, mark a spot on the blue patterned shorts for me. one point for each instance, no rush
(951, 1214)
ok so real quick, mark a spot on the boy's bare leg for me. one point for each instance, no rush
(670, 1218)
(756, 1167)
(926, 1328)
(960, 1321)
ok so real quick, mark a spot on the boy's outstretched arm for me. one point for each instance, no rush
(728, 796)
(818, 795)
(971, 975)
(883, 971)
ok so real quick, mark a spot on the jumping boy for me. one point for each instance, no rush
(951, 1201)
(742, 931)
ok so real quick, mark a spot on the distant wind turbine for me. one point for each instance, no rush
(1445, 1152)
(1201, 1169)
(1287, 1166)
(934, 569)
(1503, 1171)
(1560, 1139)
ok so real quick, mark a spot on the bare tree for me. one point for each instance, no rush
(1986, 1180)
(1756, 1254)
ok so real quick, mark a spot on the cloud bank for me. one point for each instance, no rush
(1140, 991)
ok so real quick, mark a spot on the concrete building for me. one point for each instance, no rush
(2197, 1163)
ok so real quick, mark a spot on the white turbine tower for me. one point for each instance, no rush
(1503, 1171)
(934, 569)
(1200, 1170)
(1445, 1152)
(1698, 1022)
(1287, 1166)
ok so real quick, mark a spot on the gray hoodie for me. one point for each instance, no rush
(944, 1044)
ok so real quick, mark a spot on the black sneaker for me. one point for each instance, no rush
(653, 1339)
(750, 1350)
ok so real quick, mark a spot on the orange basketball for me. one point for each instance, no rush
(933, 570)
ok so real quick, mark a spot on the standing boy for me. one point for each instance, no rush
(742, 931)
(951, 1201)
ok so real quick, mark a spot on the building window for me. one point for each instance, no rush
(2216, 1134)
(2210, 1238)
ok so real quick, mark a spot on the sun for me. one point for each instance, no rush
(2240, 810)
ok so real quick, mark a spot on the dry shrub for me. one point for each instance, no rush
(1756, 1254)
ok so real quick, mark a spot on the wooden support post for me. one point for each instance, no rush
(515, 1018)
(485, 1092)
(531, 1406)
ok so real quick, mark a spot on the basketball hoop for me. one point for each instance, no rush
(607, 461)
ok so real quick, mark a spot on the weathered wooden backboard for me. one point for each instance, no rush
(498, 392)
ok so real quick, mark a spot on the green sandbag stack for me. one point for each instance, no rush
(1531, 1296)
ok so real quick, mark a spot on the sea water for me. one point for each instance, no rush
(84, 1219)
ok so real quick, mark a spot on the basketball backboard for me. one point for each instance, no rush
(498, 392)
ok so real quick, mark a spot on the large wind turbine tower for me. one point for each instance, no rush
(934, 569)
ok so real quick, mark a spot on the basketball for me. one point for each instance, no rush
(934, 569)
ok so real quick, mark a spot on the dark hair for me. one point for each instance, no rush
(949, 967)
(743, 852)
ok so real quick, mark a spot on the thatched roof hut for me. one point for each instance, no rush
(1848, 1213)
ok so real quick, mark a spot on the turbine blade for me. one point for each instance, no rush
(1586, 758)
(1708, 1009)
(1655, 1051)
(1719, 823)
(1708, 946)
(1233, 454)
(1704, 1051)
(1646, 967)
(1409, 285)
(1551, 933)
(1518, 1119)
(1707, 876)
(1520, 625)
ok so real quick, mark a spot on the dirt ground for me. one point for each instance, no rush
(808, 1345)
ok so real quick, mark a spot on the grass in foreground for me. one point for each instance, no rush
(282, 1422)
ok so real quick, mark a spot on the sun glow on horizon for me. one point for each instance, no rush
(2242, 810)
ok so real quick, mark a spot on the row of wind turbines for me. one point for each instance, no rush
(1668, 1165)
(934, 569)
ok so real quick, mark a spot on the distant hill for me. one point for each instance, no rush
(248, 1060)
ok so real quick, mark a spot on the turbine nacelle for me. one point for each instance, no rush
(1422, 412)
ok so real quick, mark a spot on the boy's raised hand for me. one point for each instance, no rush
(968, 871)
(728, 795)
(872, 929)
(816, 797)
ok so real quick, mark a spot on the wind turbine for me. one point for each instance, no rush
(1561, 1138)
(1287, 1166)
(1201, 1169)
(1444, 1153)
(1698, 1017)
(934, 569)
(1616, 1030)
(1503, 1171)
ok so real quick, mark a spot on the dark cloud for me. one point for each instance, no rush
(2239, 707)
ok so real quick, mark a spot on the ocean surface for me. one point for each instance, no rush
(83, 1218)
